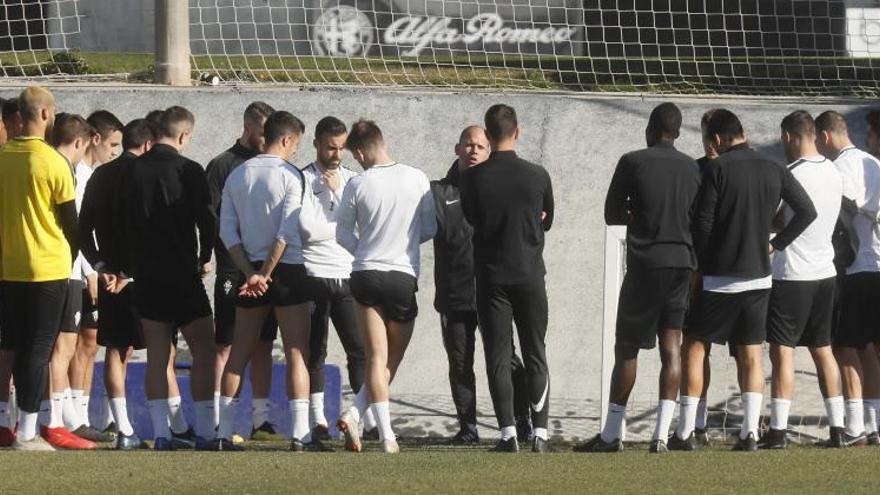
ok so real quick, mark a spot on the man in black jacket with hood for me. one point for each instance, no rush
(454, 297)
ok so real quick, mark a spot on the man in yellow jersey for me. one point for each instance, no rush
(38, 234)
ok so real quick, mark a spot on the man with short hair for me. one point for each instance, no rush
(329, 268)
(738, 198)
(259, 224)
(651, 192)
(227, 279)
(168, 201)
(857, 335)
(119, 328)
(509, 202)
(11, 119)
(38, 238)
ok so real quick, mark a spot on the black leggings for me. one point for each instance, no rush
(333, 301)
(33, 318)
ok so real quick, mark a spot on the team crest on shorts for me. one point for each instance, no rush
(227, 286)
(76, 318)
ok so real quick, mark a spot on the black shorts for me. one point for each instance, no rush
(71, 315)
(289, 287)
(226, 286)
(739, 318)
(859, 322)
(175, 299)
(89, 318)
(393, 292)
(119, 326)
(651, 300)
(800, 312)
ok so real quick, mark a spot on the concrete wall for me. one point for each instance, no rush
(578, 139)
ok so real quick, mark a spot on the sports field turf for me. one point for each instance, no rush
(422, 469)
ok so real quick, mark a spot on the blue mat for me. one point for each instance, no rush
(279, 413)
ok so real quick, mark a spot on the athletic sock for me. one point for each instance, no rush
(119, 410)
(299, 412)
(751, 414)
(216, 409)
(82, 402)
(665, 412)
(4, 415)
(69, 412)
(702, 418)
(687, 416)
(159, 414)
(27, 425)
(44, 416)
(779, 409)
(361, 404)
(383, 419)
(834, 409)
(871, 406)
(175, 416)
(316, 409)
(540, 433)
(259, 411)
(855, 417)
(204, 418)
(369, 420)
(613, 429)
(227, 417)
(56, 411)
(508, 432)
(105, 419)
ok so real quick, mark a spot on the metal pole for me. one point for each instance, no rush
(172, 42)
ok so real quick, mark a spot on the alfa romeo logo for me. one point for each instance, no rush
(343, 31)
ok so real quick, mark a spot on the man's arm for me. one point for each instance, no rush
(804, 211)
(428, 216)
(469, 199)
(617, 201)
(87, 215)
(704, 213)
(69, 225)
(548, 206)
(205, 216)
(229, 225)
(345, 219)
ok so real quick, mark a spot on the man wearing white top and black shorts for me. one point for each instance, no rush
(802, 298)
(329, 267)
(857, 333)
(385, 215)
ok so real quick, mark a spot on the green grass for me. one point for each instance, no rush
(445, 470)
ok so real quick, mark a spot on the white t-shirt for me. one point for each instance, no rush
(861, 183)
(811, 255)
(261, 203)
(324, 257)
(386, 213)
(82, 173)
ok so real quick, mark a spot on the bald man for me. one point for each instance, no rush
(454, 296)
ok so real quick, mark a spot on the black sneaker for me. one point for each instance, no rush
(321, 432)
(266, 432)
(597, 445)
(185, 440)
(91, 433)
(506, 446)
(297, 445)
(130, 442)
(747, 444)
(687, 445)
(111, 429)
(523, 428)
(701, 436)
(873, 438)
(541, 446)
(465, 436)
(372, 435)
(658, 447)
(773, 440)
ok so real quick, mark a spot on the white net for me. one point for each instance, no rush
(35, 39)
(807, 421)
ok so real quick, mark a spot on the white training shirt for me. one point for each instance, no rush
(81, 173)
(811, 255)
(861, 183)
(386, 213)
(324, 257)
(261, 203)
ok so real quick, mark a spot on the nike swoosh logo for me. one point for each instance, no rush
(319, 192)
(540, 405)
(452, 202)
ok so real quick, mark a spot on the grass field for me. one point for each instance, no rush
(426, 469)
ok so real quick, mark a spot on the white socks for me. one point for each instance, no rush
(82, 402)
(56, 411)
(216, 409)
(175, 415)
(665, 411)
(871, 406)
(508, 432)
(5, 419)
(751, 414)
(106, 418)
(204, 418)
(613, 429)
(27, 425)
(834, 410)
(687, 416)
(299, 411)
(259, 411)
(70, 412)
(537, 433)
(779, 409)
(316, 409)
(855, 417)
(361, 404)
(369, 420)
(120, 414)
(383, 418)
(227, 417)
(159, 413)
(702, 415)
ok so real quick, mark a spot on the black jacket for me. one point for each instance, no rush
(101, 216)
(453, 248)
(217, 172)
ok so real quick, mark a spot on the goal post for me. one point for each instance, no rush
(172, 43)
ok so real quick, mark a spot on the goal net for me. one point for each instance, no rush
(807, 421)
